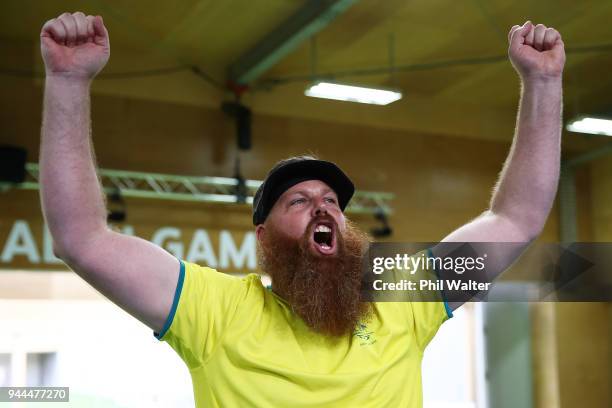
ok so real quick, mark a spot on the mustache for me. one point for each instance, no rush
(317, 219)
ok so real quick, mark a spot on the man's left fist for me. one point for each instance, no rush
(536, 52)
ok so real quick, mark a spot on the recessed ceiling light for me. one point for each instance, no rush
(595, 126)
(353, 93)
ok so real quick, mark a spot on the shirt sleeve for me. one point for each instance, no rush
(205, 302)
(428, 309)
(428, 317)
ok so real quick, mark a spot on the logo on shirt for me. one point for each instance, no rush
(365, 336)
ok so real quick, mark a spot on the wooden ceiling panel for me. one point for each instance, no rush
(434, 83)
(207, 32)
(360, 38)
(220, 31)
(213, 33)
(588, 87)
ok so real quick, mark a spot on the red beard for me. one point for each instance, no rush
(325, 291)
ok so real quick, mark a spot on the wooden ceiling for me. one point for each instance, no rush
(449, 56)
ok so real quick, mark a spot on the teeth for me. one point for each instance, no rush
(322, 228)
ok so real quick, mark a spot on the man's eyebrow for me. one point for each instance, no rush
(328, 190)
(287, 196)
(302, 192)
(305, 193)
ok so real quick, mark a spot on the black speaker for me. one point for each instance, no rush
(12, 164)
(243, 128)
(242, 118)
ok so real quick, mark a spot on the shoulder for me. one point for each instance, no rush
(202, 280)
(204, 274)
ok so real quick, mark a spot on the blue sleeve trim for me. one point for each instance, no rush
(177, 295)
(449, 311)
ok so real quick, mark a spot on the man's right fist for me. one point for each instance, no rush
(74, 45)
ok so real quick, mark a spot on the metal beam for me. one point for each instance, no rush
(311, 18)
(567, 205)
(589, 156)
(195, 189)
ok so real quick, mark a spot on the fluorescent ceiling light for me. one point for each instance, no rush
(595, 126)
(353, 93)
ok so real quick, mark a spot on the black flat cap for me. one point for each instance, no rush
(287, 173)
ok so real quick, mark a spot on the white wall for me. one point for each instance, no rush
(450, 370)
(105, 356)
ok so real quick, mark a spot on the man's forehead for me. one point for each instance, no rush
(309, 186)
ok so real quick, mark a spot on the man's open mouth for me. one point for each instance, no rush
(324, 238)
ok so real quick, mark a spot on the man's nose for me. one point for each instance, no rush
(320, 209)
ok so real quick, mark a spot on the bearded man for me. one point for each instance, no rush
(311, 340)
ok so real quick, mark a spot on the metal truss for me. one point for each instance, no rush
(198, 189)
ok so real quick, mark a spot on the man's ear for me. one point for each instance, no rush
(259, 232)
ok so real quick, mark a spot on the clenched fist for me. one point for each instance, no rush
(536, 52)
(74, 46)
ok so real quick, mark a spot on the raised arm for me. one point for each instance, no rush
(136, 275)
(527, 186)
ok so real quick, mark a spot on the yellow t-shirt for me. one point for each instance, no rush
(244, 347)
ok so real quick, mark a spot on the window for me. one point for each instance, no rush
(5, 365)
